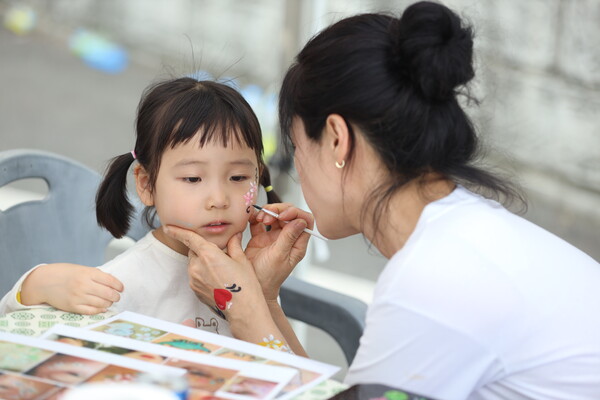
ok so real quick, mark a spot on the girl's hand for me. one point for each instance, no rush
(276, 252)
(71, 287)
(226, 281)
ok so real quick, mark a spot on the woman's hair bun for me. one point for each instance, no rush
(433, 50)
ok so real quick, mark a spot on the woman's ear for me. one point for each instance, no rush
(142, 185)
(338, 137)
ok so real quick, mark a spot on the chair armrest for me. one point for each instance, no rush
(341, 316)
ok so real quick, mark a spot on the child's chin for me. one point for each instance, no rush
(222, 244)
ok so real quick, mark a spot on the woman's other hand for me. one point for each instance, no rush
(276, 252)
(71, 287)
(229, 282)
(220, 279)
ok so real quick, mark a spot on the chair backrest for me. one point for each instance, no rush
(62, 226)
(341, 316)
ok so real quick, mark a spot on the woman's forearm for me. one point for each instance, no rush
(286, 328)
(264, 325)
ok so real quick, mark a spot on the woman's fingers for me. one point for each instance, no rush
(289, 235)
(234, 248)
(286, 212)
(192, 240)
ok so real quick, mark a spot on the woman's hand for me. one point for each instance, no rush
(226, 281)
(71, 287)
(276, 252)
(229, 282)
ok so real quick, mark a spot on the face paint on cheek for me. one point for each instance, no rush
(249, 196)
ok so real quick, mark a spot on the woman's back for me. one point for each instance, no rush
(512, 310)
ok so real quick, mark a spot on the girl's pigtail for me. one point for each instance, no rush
(265, 181)
(113, 209)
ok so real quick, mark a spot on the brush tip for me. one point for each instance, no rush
(257, 207)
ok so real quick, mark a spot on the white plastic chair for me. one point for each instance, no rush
(58, 228)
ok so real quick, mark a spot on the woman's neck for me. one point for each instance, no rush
(398, 221)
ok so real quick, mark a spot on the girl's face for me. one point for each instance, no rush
(209, 190)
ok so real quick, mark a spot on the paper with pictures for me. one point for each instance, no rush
(207, 376)
(33, 368)
(148, 329)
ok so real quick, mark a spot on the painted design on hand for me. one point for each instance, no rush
(233, 288)
(249, 196)
(272, 343)
(223, 296)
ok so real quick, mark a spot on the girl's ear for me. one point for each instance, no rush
(142, 185)
(338, 137)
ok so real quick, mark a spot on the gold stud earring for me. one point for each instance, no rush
(340, 165)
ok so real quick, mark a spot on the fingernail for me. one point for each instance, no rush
(300, 223)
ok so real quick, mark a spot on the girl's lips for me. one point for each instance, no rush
(222, 227)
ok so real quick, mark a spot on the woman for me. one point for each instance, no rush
(474, 302)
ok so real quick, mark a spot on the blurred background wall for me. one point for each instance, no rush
(538, 79)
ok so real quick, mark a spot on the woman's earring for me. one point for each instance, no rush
(340, 165)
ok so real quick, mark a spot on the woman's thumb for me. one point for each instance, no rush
(289, 234)
(234, 247)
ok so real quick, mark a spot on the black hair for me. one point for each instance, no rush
(169, 113)
(397, 80)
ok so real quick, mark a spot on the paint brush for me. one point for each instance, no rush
(273, 214)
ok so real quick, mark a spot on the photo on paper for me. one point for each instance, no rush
(311, 372)
(204, 377)
(114, 373)
(185, 343)
(203, 395)
(239, 355)
(252, 387)
(205, 373)
(19, 387)
(131, 330)
(19, 357)
(138, 355)
(67, 369)
(34, 368)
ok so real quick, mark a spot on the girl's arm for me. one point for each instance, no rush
(70, 287)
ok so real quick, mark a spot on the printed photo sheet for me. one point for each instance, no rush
(147, 329)
(208, 377)
(35, 369)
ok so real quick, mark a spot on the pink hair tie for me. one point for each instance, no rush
(133, 154)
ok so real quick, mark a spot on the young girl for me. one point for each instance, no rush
(199, 161)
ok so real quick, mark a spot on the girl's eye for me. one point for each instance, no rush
(192, 179)
(239, 178)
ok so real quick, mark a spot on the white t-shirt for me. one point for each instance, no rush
(156, 283)
(482, 304)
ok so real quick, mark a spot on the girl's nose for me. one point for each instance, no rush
(217, 198)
